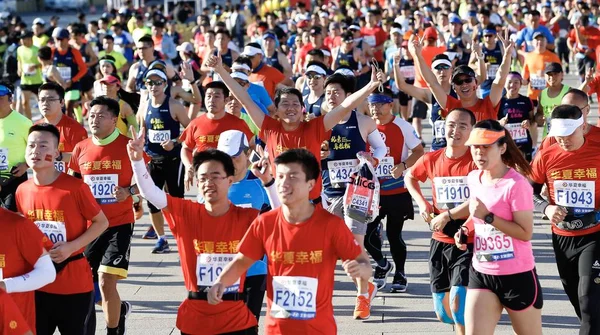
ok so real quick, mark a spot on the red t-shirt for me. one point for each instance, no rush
(12, 322)
(203, 133)
(374, 37)
(69, 204)
(197, 233)
(483, 109)
(103, 167)
(332, 42)
(305, 49)
(429, 52)
(267, 77)
(71, 133)
(309, 135)
(448, 180)
(307, 251)
(594, 87)
(21, 245)
(570, 175)
(592, 135)
(590, 39)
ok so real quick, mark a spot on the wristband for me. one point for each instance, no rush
(450, 216)
(405, 166)
(269, 183)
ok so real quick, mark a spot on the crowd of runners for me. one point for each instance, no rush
(268, 108)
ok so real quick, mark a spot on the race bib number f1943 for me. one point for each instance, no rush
(451, 189)
(55, 231)
(579, 195)
(210, 266)
(102, 186)
(294, 297)
(492, 245)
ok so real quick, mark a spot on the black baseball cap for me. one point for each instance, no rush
(463, 70)
(316, 30)
(553, 68)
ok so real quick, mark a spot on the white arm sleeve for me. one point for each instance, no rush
(272, 195)
(43, 273)
(376, 142)
(147, 188)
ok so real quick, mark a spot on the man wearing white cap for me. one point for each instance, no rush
(570, 172)
(162, 117)
(243, 65)
(270, 78)
(40, 39)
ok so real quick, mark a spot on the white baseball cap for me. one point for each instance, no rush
(185, 47)
(232, 142)
(564, 127)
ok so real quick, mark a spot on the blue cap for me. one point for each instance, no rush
(455, 19)
(4, 91)
(489, 32)
(269, 34)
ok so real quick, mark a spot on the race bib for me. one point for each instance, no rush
(340, 170)
(3, 159)
(65, 73)
(518, 133)
(577, 194)
(55, 231)
(492, 70)
(537, 82)
(492, 245)
(563, 33)
(408, 72)
(370, 40)
(210, 266)
(60, 166)
(158, 136)
(26, 69)
(103, 186)
(439, 131)
(451, 189)
(294, 297)
(384, 169)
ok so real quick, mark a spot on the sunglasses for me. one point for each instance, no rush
(463, 81)
(314, 76)
(488, 36)
(154, 82)
(442, 67)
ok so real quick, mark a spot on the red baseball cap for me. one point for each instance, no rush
(111, 80)
(430, 34)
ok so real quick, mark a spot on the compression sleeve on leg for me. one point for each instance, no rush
(460, 293)
(43, 273)
(438, 306)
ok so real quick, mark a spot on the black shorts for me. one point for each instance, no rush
(404, 98)
(31, 88)
(167, 173)
(583, 64)
(70, 313)
(87, 83)
(515, 292)
(448, 266)
(8, 191)
(109, 253)
(419, 110)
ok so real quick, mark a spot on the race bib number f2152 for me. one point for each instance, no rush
(103, 187)
(55, 231)
(451, 189)
(294, 297)
(576, 194)
(210, 266)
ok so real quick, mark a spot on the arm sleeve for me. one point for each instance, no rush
(80, 63)
(272, 195)
(376, 142)
(43, 273)
(147, 188)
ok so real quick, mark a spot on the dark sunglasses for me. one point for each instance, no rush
(442, 67)
(486, 36)
(314, 76)
(463, 81)
(154, 82)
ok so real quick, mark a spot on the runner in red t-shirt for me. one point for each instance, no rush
(207, 235)
(61, 206)
(303, 243)
(102, 162)
(447, 169)
(12, 321)
(374, 35)
(52, 98)
(464, 82)
(25, 265)
(291, 131)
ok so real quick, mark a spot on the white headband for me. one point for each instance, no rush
(238, 66)
(315, 68)
(396, 30)
(440, 62)
(240, 75)
(251, 51)
(345, 72)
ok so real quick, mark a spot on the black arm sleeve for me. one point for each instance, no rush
(539, 202)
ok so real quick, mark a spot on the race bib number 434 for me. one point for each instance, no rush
(102, 186)
(294, 297)
(579, 195)
(210, 266)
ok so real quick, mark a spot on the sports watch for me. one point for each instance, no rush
(489, 219)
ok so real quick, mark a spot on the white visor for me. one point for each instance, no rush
(396, 30)
(238, 66)
(156, 72)
(251, 51)
(345, 72)
(240, 75)
(316, 69)
(440, 62)
(564, 127)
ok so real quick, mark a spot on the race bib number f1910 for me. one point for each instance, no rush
(576, 194)
(492, 245)
(210, 266)
(451, 190)
(103, 187)
(159, 136)
(294, 297)
(55, 231)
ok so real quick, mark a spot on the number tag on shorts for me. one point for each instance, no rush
(451, 190)
(210, 266)
(492, 245)
(340, 170)
(55, 231)
(537, 82)
(577, 194)
(563, 33)
(60, 166)
(492, 70)
(3, 159)
(384, 169)
(408, 72)
(518, 133)
(65, 73)
(159, 136)
(102, 186)
(294, 297)
(26, 71)
(439, 129)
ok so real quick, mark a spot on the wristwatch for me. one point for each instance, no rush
(131, 190)
(489, 219)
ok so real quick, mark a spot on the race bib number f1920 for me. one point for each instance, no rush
(576, 194)
(492, 245)
(294, 297)
(159, 136)
(102, 186)
(55, 231)
(210, 266)
(451, 190)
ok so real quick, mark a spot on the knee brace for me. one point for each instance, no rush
(438, 306)
(97, 295)
(460, 293)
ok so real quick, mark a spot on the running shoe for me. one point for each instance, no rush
(362, 310)
(400, 283)
(161, 247)
(125, 311)
(150, 234)
(381, 273)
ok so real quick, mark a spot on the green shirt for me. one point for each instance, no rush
(549, 103)
(27, 57)
(41, 41)
(120, 60)
(253, 128)
(14, 130)
(140, 32)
